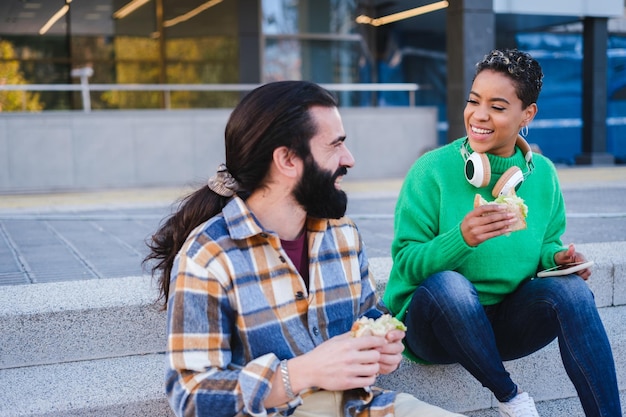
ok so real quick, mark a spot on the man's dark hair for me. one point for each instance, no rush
(270, 116)
(520, 67)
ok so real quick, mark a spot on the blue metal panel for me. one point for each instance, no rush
(558, 126)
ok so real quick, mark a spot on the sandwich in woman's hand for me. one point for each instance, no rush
(380, 327)
(513, 203)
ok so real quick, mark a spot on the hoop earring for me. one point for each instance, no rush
(524, 131)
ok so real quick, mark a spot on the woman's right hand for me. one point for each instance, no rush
(341, 363)
(485, 222)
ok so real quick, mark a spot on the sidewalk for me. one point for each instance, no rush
(93, 235)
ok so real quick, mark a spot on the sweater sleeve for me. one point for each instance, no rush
(421, 246)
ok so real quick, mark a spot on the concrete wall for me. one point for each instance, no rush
(70, 151)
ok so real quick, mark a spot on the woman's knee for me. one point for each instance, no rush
(448, 290)
(568, 293)
(570, 289)
(449, 284)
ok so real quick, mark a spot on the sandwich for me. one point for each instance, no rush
(513, 203)
(366, 326)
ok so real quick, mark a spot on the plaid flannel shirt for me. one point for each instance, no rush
(238, 306)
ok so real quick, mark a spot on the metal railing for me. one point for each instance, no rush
(86, 88)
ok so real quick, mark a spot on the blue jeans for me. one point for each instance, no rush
(447, 324)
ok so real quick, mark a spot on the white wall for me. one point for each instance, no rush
(68, 151)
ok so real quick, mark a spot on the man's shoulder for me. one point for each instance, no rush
(344, 221)
(209, 232)
(343, 225)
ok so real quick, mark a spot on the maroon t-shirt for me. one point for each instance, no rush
(299, 255)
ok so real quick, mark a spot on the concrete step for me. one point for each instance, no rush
(95, 348)
(79, 320)
(567, 407)
(130, 386)
(541, 374)
(91, 319)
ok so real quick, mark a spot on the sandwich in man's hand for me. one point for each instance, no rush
(513, 204)
(380, 327)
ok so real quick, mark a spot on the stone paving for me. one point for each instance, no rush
(61, 237)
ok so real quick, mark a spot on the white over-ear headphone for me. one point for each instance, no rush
(478, 169)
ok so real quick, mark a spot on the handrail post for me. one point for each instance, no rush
(168, 99)
(84, 74)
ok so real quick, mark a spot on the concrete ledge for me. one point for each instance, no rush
(131, 386)
(79, 320)
(541, 374)
(608, 281)
(92, 348)
(567, 407)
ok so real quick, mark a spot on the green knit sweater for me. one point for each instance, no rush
(434, 199)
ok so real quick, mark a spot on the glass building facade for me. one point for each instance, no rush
(228, 42)
(173, 42)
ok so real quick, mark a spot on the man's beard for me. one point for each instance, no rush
(317, 194)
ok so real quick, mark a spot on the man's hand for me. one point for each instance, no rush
(391, 352)
(341, 363)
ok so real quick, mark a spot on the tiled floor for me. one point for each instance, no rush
(42, 244)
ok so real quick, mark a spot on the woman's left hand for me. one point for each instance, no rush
(570, 256)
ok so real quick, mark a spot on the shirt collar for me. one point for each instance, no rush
(242, 224)
(239, 219)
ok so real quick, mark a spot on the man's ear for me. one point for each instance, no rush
(286, 162)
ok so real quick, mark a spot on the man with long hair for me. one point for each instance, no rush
(263, 276)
